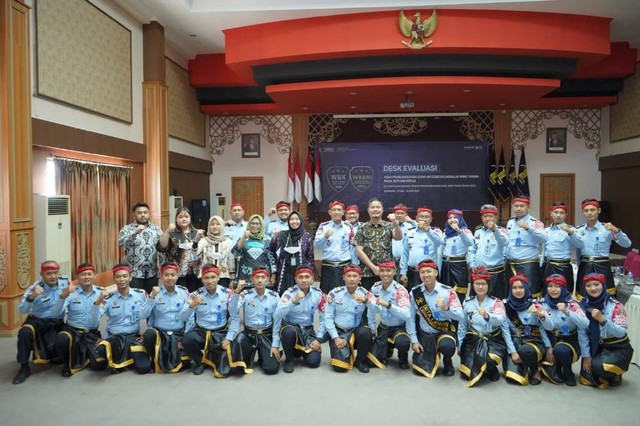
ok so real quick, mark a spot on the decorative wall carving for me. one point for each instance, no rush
(581, 123)
(186, 122)
(477, 126)
(3, 263)
(223, 131)
(324, 128)
(23, 252)
(397, 126)
(625, 113)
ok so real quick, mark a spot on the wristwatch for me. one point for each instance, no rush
(389, 305)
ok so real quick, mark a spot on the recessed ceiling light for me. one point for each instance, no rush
(452, 106)
(502, 104)
(352, 107)
(305, 108)
(466, 90)
(353, 93)
(409, 93)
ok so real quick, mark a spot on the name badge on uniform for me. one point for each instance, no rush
(345, 243)
(527, 330)
(486, 249)
(518, 242)
(454, 250)
(293, 261)
(219, 315)
(564, 327)
(425, 251)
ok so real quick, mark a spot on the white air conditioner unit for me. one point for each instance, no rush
(175, 202)
(52, 220)
(221, 209)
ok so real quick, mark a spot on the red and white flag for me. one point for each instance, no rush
(290, 183)
(308, 180)
(317, 184)
(297, 183)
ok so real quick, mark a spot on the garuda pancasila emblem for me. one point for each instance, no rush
(418, 30)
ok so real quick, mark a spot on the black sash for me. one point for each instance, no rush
(425, 311)
(534, 330)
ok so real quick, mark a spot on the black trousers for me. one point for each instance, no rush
(146, 284)
(330, 278)
(288, 340)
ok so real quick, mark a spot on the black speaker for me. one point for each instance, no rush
(200, 213)
(605, 212)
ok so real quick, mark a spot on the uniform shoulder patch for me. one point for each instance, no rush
(581, 226)
(273, 293)
(138, 290)
(316, 289)
(479, 227)
(183, 288)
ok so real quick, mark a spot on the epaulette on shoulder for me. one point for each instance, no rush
(448, 287)
(247, 291)
(581, 226)
(512, 218)
(315, 288)
(139, 290)
(110, 295)
(338, 289)
(183, 288)
(398, 285)
(273, 293)
(479, 227)
(200, 290)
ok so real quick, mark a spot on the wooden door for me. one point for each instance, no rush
(248, 191)
(557, 187)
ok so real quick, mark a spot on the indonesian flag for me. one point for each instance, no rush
(308, 180)
(297, 182)
(317, 185)
(290, 183)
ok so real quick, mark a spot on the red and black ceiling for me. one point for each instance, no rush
(478, 60)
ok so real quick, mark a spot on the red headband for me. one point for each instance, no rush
(121, 268)
(454, 211)
(259, 271)
(521, 200)
(300, 271)
(287, 205)
(594, 277)
(335, 203)
(168, 266)
(236, 204)
(400, 207)
(481, 273)
(561, 207)
(352, 269)
(49, 266)
(485, 211)
(210, 269)
(591, 203)
(518, 277)
(389, 264)
(353, 208)
(82, 269)
(557, 279)
(424, 210)
(427, 264)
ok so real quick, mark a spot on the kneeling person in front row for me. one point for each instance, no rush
(210, 341)
(343, 321)
(392, 303)
(124, 309)
(259, 335)
(76, 344)
(39, 330)
(165, 330)
(295, 315)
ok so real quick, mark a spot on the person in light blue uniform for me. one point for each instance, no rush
(562, 317)
(352, 216)
(401, 213)
(295, 316)
(215, 324)
(526, 235)
(391, 303)
(236, 226)
(76, 343)
(482, 347)
(488, 251)
(605, 340)
(458, 240)
(335, 239)
(561, 240)
(422, 242)
(39, 330)
(259, 335)
(526, 343)
(343, 319)
(165, 330)
(282, 209)
(439, 310)
(597, 238)
(124, 309)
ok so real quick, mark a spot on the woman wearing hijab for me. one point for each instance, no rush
(179, 243)
(482, 347)
(457, 241)
(605, 340)
(561, 317)
(291, 248)
(253, 250)
(215, 249)
(526, 344)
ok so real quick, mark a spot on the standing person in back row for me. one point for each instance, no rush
(139, 240)
(597, 238)
(526, 234)
(373, 241)
(334, 238)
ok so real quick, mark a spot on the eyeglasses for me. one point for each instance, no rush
(481, 284)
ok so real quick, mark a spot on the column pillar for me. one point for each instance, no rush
(300, 144)
(16, 201)
(156, 124)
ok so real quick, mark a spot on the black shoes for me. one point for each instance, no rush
(448, 367)
(362, 366)
(198, 369)
(615, 380)
(22, 375)
(494, 375)
(570, 380)
(288, 366)
(66, 372)
(404, 365)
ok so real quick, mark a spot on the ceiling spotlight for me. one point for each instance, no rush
(353, 93)
(452, 106)
(406, 103)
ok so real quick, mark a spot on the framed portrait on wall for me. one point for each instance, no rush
(251, 145)
(557, 140)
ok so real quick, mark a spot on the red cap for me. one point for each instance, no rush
(427, 264)
(591, 203)
(236, 204)
(557, 279)
(424, 210)
(82, 269)
(121, 268)
(389, 264)
(400, 207)
(300, 271)
(352, 268)
(210, 269)
(352, 207)
(454, 211)
(521, 200)
(283, 204)
(485, 211)
(259, 271)
(594, 277)
(561, 207)
(49, 266)
(336, 203)
(481, 273)
(518, 277)
(168, 266)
